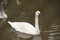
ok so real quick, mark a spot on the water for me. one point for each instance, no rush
(50, 15)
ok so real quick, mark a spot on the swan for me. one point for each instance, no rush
(2, 13)
(26, 28)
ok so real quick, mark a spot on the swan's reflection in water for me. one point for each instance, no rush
(2, 21)
(22, 36)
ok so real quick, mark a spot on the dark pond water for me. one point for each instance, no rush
(49, 20)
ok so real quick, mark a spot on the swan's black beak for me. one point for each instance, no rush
(39, 14)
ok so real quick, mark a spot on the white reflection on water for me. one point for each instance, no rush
(37, 38)
(54, 33)
(2, 21)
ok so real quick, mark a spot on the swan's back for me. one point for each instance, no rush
(23, 27)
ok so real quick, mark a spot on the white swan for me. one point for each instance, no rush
(2, 13)
(23, 28)
(27, 28)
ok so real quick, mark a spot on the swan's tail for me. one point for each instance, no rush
(9, 22)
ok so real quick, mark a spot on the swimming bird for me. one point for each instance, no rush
(2, 12)
(3, 15)
(26, 28)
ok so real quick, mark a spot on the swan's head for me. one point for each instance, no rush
(37, 12)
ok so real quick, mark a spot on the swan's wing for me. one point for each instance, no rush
(23, 27)
(29, 29)
(17, 26)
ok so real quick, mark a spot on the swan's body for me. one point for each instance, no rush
(25, 27)
(2, 13)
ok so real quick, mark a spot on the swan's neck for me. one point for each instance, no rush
(2, 13)
(36, 25)
(1, 6)
(36, 22)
